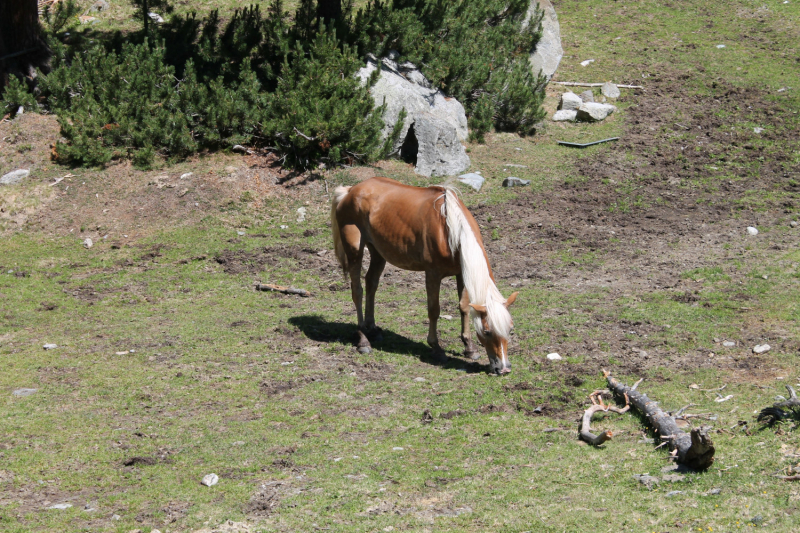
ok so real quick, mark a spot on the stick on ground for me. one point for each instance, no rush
(285, 290)
(585, 432)
(695, 450)
(770, 415)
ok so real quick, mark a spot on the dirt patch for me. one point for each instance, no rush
(265, 500)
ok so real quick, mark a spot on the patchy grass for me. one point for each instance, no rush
(170, 366)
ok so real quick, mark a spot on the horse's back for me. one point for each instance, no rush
(402, 222)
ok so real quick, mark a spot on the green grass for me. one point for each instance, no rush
(262, 388)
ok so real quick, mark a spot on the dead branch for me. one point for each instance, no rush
(579, 84)
(694, 450)
(585, 433)
(776, 412)
(795, 477)
(268, 287)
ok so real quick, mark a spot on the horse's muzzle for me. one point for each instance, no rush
(496, 365)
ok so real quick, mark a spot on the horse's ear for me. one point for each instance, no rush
(511, 299)
(479, 308)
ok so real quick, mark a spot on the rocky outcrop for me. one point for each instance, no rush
(435, 125)
(548, 52)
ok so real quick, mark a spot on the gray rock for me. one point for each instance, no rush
(565, 115)
(793, 223)
(155, 17)
(24, 392)
(587, 96)
(60, 506)
(714, 492)
(99, 7)
(610, 90)
(473, 180)
(672, 493)
(116, 517)
(752, 231)
(14, 177)
(570, 100)
(438, 123)
(238, 148)
(210, 480)
(728, 344)
(647, 480)
(554, 356)
(88, 243)
(512, 181)
(50, 346)
(594, 112)
(439, 151)
(548, 52)
(761, 348)
(301, 214)
(587, 62)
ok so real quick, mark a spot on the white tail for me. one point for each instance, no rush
(338, 195)
(475, 269)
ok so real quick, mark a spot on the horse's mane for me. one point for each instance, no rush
(474, 268)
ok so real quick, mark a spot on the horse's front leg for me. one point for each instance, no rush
(358, 294)
(433, 283)
(470, 350)
(376, 265)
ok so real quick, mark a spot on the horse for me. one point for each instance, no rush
(421, 229)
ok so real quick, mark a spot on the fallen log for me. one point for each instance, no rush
(773, 414)
(579, 84)
(268, 287)
(585, 432)
(695, 450)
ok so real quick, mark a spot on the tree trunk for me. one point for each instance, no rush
(22, 49)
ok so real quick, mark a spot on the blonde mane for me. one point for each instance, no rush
(474, 268)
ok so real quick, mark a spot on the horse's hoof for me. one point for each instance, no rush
(474, 356)
(364, 349)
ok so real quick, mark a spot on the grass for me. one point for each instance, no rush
(163, 355)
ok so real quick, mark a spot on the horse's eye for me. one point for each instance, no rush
(487, 333)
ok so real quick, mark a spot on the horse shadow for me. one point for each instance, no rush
(318, 329)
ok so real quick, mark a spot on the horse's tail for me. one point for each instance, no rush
(338, 195)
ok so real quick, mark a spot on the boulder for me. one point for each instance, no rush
(570, 100)
(610, 90)
(587, 96)
(473, 180)
(437, 124)
(565, 115)
(14, 177)
(594, 112)
(548, 52)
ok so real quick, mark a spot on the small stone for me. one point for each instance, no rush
(24, 392)
(646, 480)
(60, 506)
(758, 130)
(420, 380)
(241, 233)
(757, 519)
(587, 62)
(587, 96)
(728, 344)
(447, 317)
(610, 90)
(187, 175)
(210, 480)
(672, 493)
(793, 223)
(155, 17)
(565, 115)
(473, 179)
(239, 149)
(121, 353)
(87, 243)
(714, 492)
(397, 449)
(570, 100)
(752, 231)
(511, 181)
(116, 517)
(761, 348)
(284, 226)
(720, 46)
(14, 177)
(50, 346)
(554, 356)
(301, 214)
(239, 443)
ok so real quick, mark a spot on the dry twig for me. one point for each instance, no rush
(268, 287)
(585, 433)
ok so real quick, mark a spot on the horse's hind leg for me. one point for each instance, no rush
(376, 265)
(354, 248)
(433, 284)
(470, 350)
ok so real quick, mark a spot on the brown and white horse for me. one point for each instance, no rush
(422, 229)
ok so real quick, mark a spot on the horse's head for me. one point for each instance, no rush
(493, 332)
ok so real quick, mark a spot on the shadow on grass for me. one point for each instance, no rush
(318, 329)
